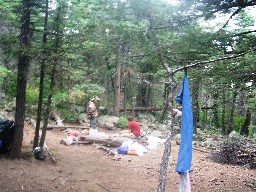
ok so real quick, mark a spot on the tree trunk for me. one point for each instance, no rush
(117, 82)
(23, 67)
(125, 95)
(241, 103)
(195, 96)
(42, 74)
(110, 84)
(215, 111)
(48, 107)
(168, 145)
(167, 150)
(245, 128)
(231, 117)
(223, 127)
(53, 74)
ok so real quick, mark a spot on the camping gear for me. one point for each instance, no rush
(123, 149)
(6, 135)
(38, 153)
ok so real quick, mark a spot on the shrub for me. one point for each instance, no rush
(122, 122)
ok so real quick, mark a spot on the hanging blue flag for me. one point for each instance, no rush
(185, 151)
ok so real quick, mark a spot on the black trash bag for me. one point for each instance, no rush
(38, 153)
(6, 135)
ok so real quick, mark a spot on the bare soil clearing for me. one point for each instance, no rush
(85, 168)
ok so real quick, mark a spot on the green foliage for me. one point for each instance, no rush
(59, 98)
(31, 99)
(252, 131)
(68, 114)
(238, 123)
(122, 122)
(4, 72)
(65, 103)
(32, 94)
(251, 101)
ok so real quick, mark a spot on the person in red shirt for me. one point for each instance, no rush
(133, 129)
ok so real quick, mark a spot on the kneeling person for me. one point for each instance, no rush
(133, 129)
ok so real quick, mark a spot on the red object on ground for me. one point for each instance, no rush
(134, 127)
(75, 134)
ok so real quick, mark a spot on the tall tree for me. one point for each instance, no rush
(56, 60)
(23, 67)
(42, 76)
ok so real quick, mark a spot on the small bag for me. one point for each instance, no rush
(38, 153)
(123, 149)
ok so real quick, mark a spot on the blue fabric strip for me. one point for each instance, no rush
(185, 151)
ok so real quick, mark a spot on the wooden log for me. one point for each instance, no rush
(65, 141)
(103, 140)
(160, 109)
(98, 139)
(66, 127)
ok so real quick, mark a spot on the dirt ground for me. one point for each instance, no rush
(85, 168)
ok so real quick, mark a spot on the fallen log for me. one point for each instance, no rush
(103, 140)
(160, 108)
(66, 141)
(66, 127)
(98, 139)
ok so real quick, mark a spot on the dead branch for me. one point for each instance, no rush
(201, 150)
(110, 152)
(57, 118)
(49, 153)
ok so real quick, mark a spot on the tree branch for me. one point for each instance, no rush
(206, 62)
(244, 33)
(232, 15)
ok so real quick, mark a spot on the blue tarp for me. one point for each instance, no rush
(185, 151)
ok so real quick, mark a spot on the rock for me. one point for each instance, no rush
(108, 122)
(83, 120)
(177, 137)
(157, 134)
(234, 134)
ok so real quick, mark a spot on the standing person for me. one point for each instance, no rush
(133, 129)
(92, 111)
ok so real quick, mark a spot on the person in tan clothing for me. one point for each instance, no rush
(92, 113)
